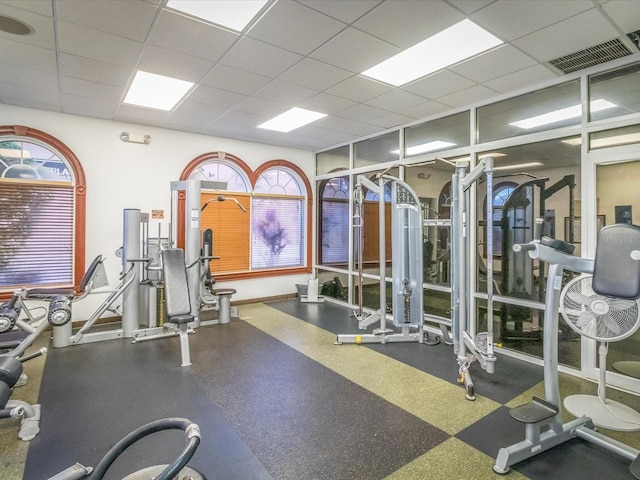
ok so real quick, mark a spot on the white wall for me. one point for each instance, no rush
(123, 175)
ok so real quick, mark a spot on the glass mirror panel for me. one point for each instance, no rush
(385, 148)
(545, 109)
(442, 134)
(618, 88)
(615, 137)
(332, 160)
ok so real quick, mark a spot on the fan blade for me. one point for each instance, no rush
(572, 312)
(619, 304)
(612, 325)
(584, 319)
(578, 298)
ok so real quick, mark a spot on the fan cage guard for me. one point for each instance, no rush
(599, 317)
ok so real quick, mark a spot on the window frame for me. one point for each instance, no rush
(28, 134)
(253, 176)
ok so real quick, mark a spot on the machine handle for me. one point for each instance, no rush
(523, 247)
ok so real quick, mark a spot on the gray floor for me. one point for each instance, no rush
(269, 406)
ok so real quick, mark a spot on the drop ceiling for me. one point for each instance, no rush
(83, 55)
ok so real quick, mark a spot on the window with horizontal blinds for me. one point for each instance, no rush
(36, 233)
(277, 232)
(230, 228)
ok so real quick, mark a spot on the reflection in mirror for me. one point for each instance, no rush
(442, 134)
(334, 224)
(385, 148)
(618, 87)
(539, 180)
(332, 160)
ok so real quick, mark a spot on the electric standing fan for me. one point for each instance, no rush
(605, 319)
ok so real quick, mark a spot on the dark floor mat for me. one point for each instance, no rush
(573, 459)
(511, 377)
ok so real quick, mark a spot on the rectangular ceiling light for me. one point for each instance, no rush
(233, 14)
(426, 147)
(612, 141)
(452, 45)
(156, 91)
(292, 119)
(560, 115)
(519, 165)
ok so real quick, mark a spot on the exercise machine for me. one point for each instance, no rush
(407, 270)
(469, 345)
(616, 274)
(176, 469)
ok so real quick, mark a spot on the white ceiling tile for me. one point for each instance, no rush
(133, 114)
(325, 103)
(89, 107)
(191, 37)
(37, 6)
(28, 77)
(525, 17)
(404, 23)
(173, 64)
(89, 43)
(223, 129)
(493, 64)
(261, 107)
(295, 27)
(521, 79)
(345, 125)
(32, 94)
(30, 104)
(359, 89)
(354, 50)
(425, 110)
(391, 120)
(314, 74)
(470, 6)
(84, 88)
(235, 80)
(567, 36)
(363, 113)
(468, 96)
(439, 84)
(346, 12)
(626, 14)
(94, 70)
(395, 100)
(29, 56)
(215, 96)
(195, 109)
(259, 57)
(243, 118)
(43, 35)
(283, 92)
(129, 19)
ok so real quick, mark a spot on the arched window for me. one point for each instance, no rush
(42, 192)
(501, 192)
(273, 231)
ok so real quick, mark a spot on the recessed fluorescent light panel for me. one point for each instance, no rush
(233, 14)
(426, 147)
(292, 119)
(519, 165)
(156, 91)
(452, 45)
(560, 115)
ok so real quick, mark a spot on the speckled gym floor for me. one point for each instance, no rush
(276, 399)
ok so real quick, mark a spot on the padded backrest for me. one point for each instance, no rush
(90, 272)
(615, 273)
(176, 288)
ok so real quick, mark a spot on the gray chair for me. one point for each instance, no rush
(176, 290)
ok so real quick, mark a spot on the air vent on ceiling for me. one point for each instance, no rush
(591, 56)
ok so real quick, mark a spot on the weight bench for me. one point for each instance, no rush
(176, 291)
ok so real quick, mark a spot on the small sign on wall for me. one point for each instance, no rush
(157, 214)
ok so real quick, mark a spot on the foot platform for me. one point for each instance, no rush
(536, 411)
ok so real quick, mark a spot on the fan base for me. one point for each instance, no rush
(614, 415)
